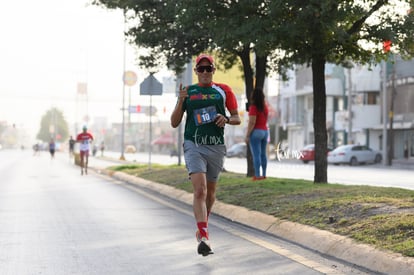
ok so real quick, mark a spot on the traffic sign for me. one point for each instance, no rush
(150, 86)
(130, 78)
(142, 109)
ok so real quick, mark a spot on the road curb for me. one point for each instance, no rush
(324, 242)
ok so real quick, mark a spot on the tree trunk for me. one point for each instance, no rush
(319, 119)
(249, 85)
(248, 80)
(260, 71)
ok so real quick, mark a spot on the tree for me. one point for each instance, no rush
(279, 34)
(53, 125)
(315, 32)
(179, 30)
(243, 19)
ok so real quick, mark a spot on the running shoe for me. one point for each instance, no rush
(204, 248)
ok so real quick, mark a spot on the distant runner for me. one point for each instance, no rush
(71, 146)
(52, 148)
(84, 139)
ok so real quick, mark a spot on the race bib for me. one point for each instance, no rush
(205, 115)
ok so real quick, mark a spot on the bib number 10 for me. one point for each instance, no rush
(205, 115)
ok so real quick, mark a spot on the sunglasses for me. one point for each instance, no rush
(202, 69)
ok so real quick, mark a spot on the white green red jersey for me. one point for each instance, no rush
(202, 106)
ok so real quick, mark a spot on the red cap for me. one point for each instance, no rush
(204, 56)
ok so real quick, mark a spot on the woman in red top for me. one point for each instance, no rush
(257, 132)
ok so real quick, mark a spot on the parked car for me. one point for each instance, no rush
(308, 153)
(353, 154)
(237, 150)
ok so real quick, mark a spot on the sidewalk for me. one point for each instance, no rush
(406, 164)
(324, 242)
(403, 163)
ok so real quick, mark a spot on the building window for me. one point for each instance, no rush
(372, 98)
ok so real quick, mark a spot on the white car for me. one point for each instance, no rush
(353, 154)
(237, 150)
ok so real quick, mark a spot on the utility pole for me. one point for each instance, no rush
(386, 158)
(122, 157)
(350, 104)
(348, 136)
(391, 115)
(384, 113)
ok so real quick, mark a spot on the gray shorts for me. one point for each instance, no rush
(206, 159)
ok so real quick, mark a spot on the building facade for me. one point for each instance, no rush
(400, 103)
(355, 106)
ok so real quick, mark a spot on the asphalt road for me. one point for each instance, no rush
(55, 221)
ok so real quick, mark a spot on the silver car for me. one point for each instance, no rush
(353, 154)
(237, 150)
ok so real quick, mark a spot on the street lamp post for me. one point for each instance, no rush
(122, 157)
(129, 78)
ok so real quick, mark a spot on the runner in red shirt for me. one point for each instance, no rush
(84, 139)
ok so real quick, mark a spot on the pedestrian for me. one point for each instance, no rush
(52, 148)
(406, 150)
(205, 105)
(84, 139)
(94, 149)
(257, 133)
(71, 146)
(36, 149)
(102, 148)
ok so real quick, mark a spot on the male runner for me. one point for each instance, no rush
(205, 104)
(84, 138)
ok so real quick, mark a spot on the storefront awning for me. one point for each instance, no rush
(166, 139)
(396, 125)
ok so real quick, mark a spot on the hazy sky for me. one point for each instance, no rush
(48, 47)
